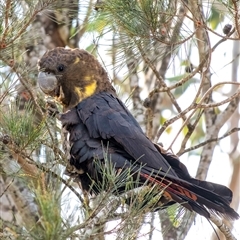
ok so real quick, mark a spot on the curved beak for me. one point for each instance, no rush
(48, 83)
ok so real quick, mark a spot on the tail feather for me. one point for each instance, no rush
(193, 197)
(191, 205)
(221, 190)
(183, 173)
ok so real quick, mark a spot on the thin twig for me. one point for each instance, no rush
(172, 120)
(189, 133)
(192, 106)
(212, 105)
(181, 82)
(6, 188)
(159, 77)
(30, 20)
(208, 141)
(170, 43)
(31, 168)
(200, 105)
(212, 88)
(224, 39)
(6, 18)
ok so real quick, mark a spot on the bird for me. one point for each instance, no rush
(102, 130)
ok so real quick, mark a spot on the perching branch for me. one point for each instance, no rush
(222, 227)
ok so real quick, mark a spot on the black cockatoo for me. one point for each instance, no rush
(98, 122)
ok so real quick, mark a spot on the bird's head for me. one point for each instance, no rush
(71, 75)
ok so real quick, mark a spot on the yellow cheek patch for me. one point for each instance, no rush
(90, 89)
(87, 91)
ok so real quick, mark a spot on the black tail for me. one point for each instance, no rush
(199, 196)
(193, 197)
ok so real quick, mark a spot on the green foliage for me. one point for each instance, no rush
(174, 213)
(139, 27)
(50, 220)
(215, 18)
(97, 24)
(21, 126)
(137, 18)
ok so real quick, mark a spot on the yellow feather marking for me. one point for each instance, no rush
(77, 60)
(87, 91)
(90, 89)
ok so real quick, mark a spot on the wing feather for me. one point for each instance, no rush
(106, 117)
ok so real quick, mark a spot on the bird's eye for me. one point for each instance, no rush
(60, 68)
